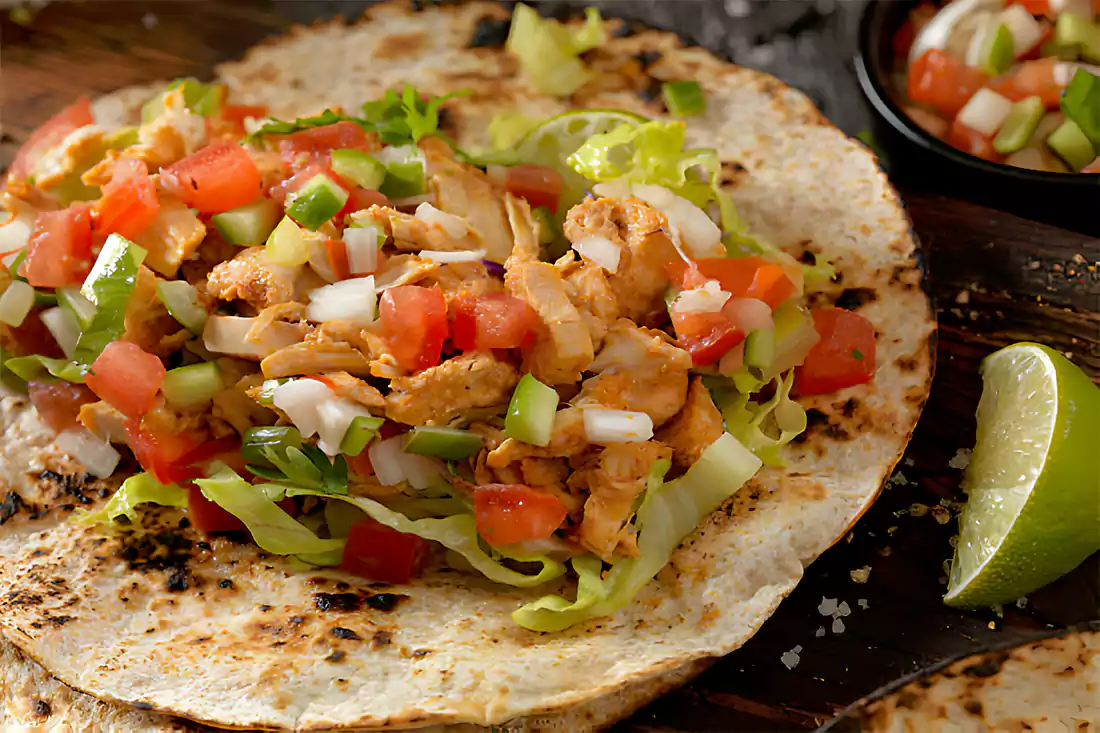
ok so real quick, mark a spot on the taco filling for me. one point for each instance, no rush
(365, 347)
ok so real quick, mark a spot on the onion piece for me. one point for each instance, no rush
(938, 31)
(226, 335)
(385, 459)
(97, 456)
(422, 472)
(1026, 31)
(600, 250)
(353, 300)
(335, 416)
(468, 255)
(16, 303)
(498, 174)
(732, 361)
(15, 233)
(363, 244)
(1064, 71)
(985, 112)
(688, 222)
(708, 299)
(63, 326)
(455, 226)
(749, 314)
(616, 426)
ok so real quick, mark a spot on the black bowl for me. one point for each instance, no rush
(922, 161)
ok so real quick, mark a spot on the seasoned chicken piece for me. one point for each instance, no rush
(173, 237)
(174, 135)
(639, 370)
(104, 421)
(382, 363)
(613, 480)
(411, 234)
(696, 426)
(355, 390)
(567, 440)
(590, 292)
(147, 321)
(493, 436)
(403, 270)
(563, 347)
(464, 278)
(80, 150)
(317, 354)
(465, 191)
(441, 393)
(252, 278)
(239, 404)
(544, 471)
(640, 280)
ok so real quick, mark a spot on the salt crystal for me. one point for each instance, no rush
(1021, 602)
(789, 659)
(738, 8)
(797, 648)
(860, 575)
(844, 609)
(827, 606)
(960, 460)
(820, 631)
(149, 20)
(862, 603)
(838, 626)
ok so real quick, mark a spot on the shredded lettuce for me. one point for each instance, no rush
(202, 99)
(108, 286)
(549, 52)
(668, 514)
(508, 128)
(819, 273)
(326, 118)
(142, 488)
(36, 368)
(766, 427)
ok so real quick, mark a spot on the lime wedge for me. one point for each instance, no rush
(1033, 482)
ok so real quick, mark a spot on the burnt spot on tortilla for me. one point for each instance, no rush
(490, 33)
(41, 709)
(852, 298)
(341, 633)
(973, 707)
(651, 93)
(732, 173)
(418, 653)
(177, 579)
(907, 363)
(336, 657)
(381, 639)
(225, 583)
(22, 598)
(73, 485)
(399, 45)
(384, 601)
(988, 667)
(57, 621)
(10, 505)
(337, 601)
(167, 552)
(849, 407)
(264, 608)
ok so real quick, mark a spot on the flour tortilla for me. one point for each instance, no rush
(267, 649)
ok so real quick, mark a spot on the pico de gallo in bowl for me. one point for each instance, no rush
(1014, 82)
(361, 345)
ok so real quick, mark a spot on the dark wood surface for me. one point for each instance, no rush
(996, 279)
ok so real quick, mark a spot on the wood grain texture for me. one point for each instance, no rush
(996, 279)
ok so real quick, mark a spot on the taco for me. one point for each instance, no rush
(464, 382)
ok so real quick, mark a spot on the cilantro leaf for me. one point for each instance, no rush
(280, 127)
(306, 467)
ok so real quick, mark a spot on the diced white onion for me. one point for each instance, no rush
(708, 299)
(226, 335)
(16, 303)
(497, 174)
(749, 314)
(985, 112)
(410, 201)
(362, 244)
(947, 23)
(1064, 71)
(732, 361)
(1026, 31)
(455, 226)
(63, 326)
(1080, 7)
(616, 189)
(988, 25)
(688, 222)
(300, 399)
(15, 232)
(334, 416)
(385, 459)
(253, 124)
(351, 300)
(421, 472)
(616, 426)
(600, 250)
(97, 456)
(319, 261)
(466, 255)
(398, 154)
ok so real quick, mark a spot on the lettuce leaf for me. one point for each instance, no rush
(36, 368)
(326, 118)
(108, 286)
(141, 488)
(763, 428)
(668, 514)
(549, 52)
(508, 128)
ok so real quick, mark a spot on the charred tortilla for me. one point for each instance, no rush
(221, 633)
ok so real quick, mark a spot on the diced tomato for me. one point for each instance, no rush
(127, 378)
(217, 178)
(129, 203)
(207, 517)
(1034, 7)
(360, 465)
(59, 403)
(307, 147)
(60, 249)
(539, 185)
(225, 450)
(301, 177)
(463, 322)
(742, 277)
(49, 135)
(973, 142)
(941, 81)
(1031, 79)
(1046, 36)
(32, 337)
(907, 33)
(362, 198)
(236, 114)
(414, 321)
(845, 355)
(706, 336)
(161, 453)
(337, 255)
(490, 321)
(377, 552)
(509, 513)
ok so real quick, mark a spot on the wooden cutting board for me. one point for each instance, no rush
(995, 278)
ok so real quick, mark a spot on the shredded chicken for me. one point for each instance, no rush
(403, 270)
(411, 234)
(174, 236)
(174, 135)
(614, 479)
(640, 280)
(463, 279)
(441, 393)
(563, 347)
(147, 321)
(567, 440)
(252, 278)
(104, 421)
(465, 191)
(696, 426)
(590, 292)
(75, 154)
(638, 370)
(355, 390)
(238, 405)
(318, 353)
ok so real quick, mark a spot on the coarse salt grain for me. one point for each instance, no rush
(827, 607)
(960, 460)
(860, 575)
(862, 603)
(820, 631)
(844, 609)
(790, 659)
(838, 626)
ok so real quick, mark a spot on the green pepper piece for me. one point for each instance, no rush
(1022, 121)
(192, 385)
(760, 348)
(684, 98)
(531, 412)
(451, 444)
(360, 433)
(317, 202)
(249, 225)
(1081, 103)
(360, 167)
(1071, 145)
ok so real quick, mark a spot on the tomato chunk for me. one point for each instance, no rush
(706, 336)
(50, 134)
(207, 517)
(32, 337)
(59, 252)
(129, 203)
(463, 322)
(509, 513)
(1031, 79)
(311, 146)
(217, 178)
(941, 81)
(414, 322)
(741, 277)
(539, 185)
(127, 378)
(236, 114)
(161, 453)
(377, 552)
(59, 403)
(360, 465)
(845, 355)
(361, 198)
(973, 142)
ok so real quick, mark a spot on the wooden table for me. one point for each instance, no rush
(996, 279)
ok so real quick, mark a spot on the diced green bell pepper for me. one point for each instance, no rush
(360, 433)
(449, 443)
(531, 412)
